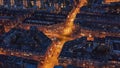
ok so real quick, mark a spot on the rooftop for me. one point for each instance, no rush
(45, 18)
(94, 50)
(17, 62)
(26, 40)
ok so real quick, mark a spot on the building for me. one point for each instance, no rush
(98, 24)
(99, 19)
(13, 17)
(16, 62)
(2, 30)
(83, 53)
(43, 18)
(114, 43)
(8, 22)
(29, 44)
(18, 3)
(93, 2)
(43, 4)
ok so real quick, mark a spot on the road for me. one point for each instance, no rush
(26, 55)
(51, 60)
